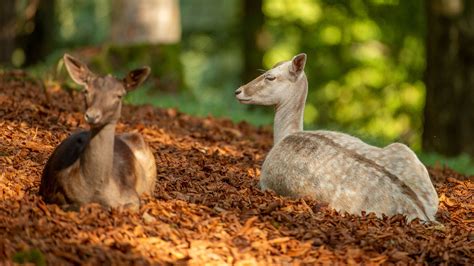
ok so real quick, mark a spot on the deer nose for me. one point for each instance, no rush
(92, 116)
(238, 91)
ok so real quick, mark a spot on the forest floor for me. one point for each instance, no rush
(207, 207)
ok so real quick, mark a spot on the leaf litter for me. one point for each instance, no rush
(207, 208)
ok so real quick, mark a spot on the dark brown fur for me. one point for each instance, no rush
(67, 153)
(64, 156)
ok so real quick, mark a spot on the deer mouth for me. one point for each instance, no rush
(244, 100)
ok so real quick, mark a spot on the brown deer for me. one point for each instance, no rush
(97, 165)
(334, 167)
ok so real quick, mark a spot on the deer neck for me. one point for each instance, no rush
(98, 156)
(289, 113)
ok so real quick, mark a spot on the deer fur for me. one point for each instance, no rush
(333, 167)
(97, 165)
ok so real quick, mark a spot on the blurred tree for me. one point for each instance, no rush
(27, 31)
(449, 77)
(7, 30)
(365, 63)
(148, 32)
(252, 32)
(146, 21)
(212, 52)
(365, 57)
(39, 36)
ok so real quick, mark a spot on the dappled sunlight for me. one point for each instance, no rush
(366, 51)
(361, 67)
(75, 28)
(383, 71)
(365, 30)
(331, 35)
(305, 11)
(207, 205)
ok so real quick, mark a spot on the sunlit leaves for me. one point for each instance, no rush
(310, 113)
(413, 95)
(285, 48)
(412, 54)
(365, 57)
(68, 28)
(18, 57)
(365, 30)
(304, 11)
(369, 52)
(82, 22)
(385, 2)
(365, 64)
(331, 35)
(366, 76)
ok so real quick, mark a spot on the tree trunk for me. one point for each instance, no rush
(449, 77)
(7, 30)
(148, 32)
(252, 27)
(146, 21)
(42, 41)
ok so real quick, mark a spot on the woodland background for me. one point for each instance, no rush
(383, 70)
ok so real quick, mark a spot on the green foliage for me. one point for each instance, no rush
(82, 22)
(218, 105)
(166, 72)
(212, 62)
(365, 62)
(34, 256)
(463, 163)
(365, 59)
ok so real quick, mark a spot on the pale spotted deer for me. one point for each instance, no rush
(333, 167)
(97, 165)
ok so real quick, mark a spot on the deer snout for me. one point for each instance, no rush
(241, 96)
(93, 116)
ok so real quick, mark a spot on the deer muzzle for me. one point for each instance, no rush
(93, 116)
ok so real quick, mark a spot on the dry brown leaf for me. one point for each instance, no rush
(207, 207)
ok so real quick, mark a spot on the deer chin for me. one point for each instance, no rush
(96, 124)
(243, 99)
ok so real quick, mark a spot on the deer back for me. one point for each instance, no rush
(349, 174)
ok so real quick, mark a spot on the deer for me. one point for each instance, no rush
(338, 169)
(96, 165)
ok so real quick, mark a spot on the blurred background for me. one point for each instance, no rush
(383, 70)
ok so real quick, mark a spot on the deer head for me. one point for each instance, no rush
(275, 85)
(103, 94)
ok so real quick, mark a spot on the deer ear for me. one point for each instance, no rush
(135, 77)
(297, 64)
(78, 71)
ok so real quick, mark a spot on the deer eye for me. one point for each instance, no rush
(119, 96)
(270, 77)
